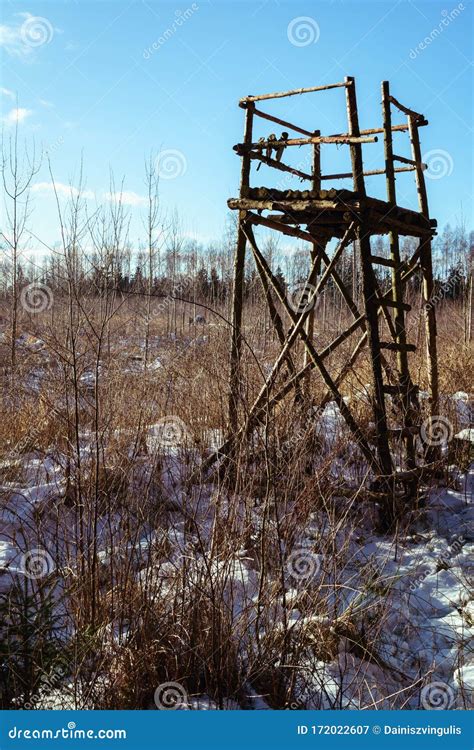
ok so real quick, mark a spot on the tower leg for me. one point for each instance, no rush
(430, 324)
(317, 249)
(426, 270)
(371, 310)
(236, 340)
(238, 291)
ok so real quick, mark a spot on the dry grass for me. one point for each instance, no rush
(144, 587)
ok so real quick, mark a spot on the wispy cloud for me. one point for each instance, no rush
(7, 93)
(126, 197)
(16, 115)
(23, 36)
(62, 190)
(10, 39)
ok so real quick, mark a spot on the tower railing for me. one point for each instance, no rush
(251, 150)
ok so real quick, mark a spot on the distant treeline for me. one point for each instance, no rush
(207, 271)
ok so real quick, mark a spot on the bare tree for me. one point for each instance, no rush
(17, 175)
(175, 244)
(153, 237)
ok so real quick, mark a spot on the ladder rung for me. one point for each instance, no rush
(404, 160)
(382, 261)
(392, 346)
(392, 303)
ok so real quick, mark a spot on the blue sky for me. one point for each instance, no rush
(108, 81)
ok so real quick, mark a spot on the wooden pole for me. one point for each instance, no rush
(316, 250)
(369, 173)
(238, 290)
(293, 92)
(426, 264)
(470, 303)
(278, 165)
(369, 293)
(275, 316)
(335, 139)
(375, 131)
(316, 170)
(303, 131)
(410, 112)
(283, 123)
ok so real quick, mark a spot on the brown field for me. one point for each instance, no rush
(142, 585)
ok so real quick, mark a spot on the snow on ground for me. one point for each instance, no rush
(464, 410)
(421, 586)
(430, 628)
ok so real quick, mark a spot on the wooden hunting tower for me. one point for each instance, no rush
(317, 215)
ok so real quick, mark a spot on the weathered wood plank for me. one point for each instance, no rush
(293, 92)
(242, 148)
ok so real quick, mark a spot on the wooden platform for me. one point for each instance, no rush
(330, 212)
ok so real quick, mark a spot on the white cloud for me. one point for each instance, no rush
(62, 190)
(10, 39)
(16, 115)
(23, 37)
(126, 197)
(7, 92)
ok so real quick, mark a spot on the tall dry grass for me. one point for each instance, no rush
(155, 580)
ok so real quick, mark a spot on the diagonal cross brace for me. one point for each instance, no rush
(301, 234)
(260, 407)
(298, 330)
